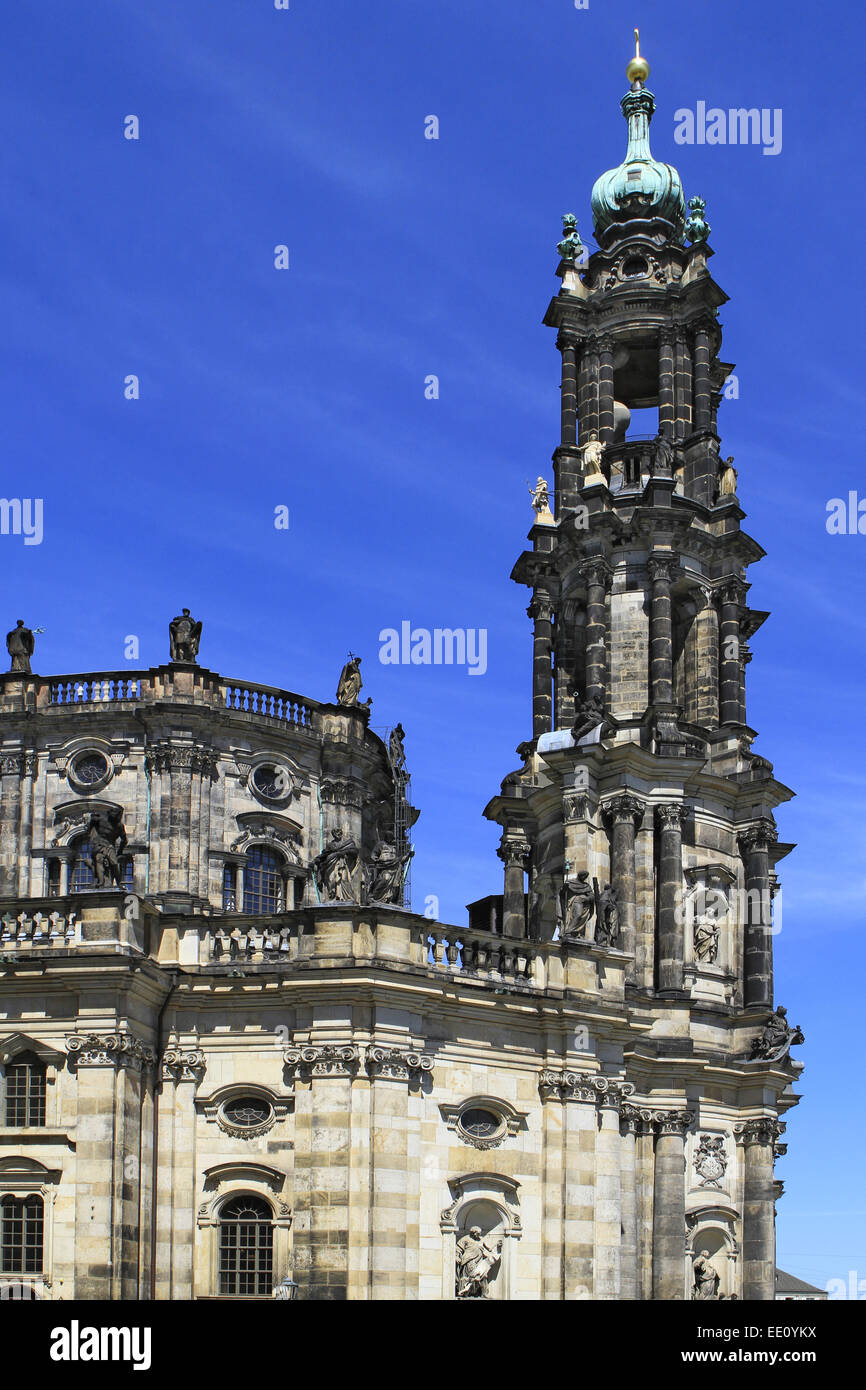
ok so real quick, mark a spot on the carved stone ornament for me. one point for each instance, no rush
(670, 816)
(763, 1130)
(109, 1050)
(183, 1064)
(624, 808)
(760, 836)
(339, 791)
(181, 757)
(323, 1059)
(776, 1038)
(711, 1160)
(575, 1085)
(396, 1063)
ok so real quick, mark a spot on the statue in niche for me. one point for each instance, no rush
(663, 462)
(184, 636)
(541, 502)
(334, 869)
(396, 751)
(106, 838)
(776, 1038)
(706, 939)
(476, 1256)
(577, 904)
(385, 873)
(727, 478)
(607, 917)
(349, 684)
(20, 644)
(706, 1277)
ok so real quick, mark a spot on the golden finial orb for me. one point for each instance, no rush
(638, 69)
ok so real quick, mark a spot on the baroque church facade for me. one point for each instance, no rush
(235, 1064)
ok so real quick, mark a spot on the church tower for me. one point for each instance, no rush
(643, 820)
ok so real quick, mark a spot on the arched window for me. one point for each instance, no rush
(21, 1229)
(246, 1248)
(264, 881)
(25, 1091)
(82, 876)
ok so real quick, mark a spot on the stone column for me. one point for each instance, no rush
(629, 1123)
(755, 843)
(181, 1071)
(540, 611)
(644, 1185)
(580, 1126)
(514, 853)
(30, 767)
(667, 412)
(745, 658)
(730, 612)
(759, 1230)
(394, 1220)
(108, 1141)
(597, 577)
(605, 390)
(683, 386)
(588, 392)
(11, 770)
(608, 1195)
(323, 1095)
(568, 480)
(662, 570)
(703, 387)
(669, 1205)
(707, 663)
(624, 814)
(670, 936)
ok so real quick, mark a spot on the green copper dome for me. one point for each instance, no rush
(641, 186)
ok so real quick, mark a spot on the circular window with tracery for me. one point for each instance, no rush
(246, 1116)
(89, 769)
(271, 782)
(481, 1125)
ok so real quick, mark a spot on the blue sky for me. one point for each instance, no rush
(305, 388)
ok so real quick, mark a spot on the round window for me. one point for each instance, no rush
(480, 1124)
(247, 1112)
(89, 768)
(271, 782)
(634, 268)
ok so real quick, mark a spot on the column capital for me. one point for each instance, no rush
(604, 343)
(601, 1091)
(183, 1064)
(395, 1063)
(667, 336)
(731, 590)
(109, 1050)
(513, 852)
(675, 1122)
(624, 807)
(596, 571)
(565, 340)
(760, 836)
(540, 607)
(663, 568)
(322, 1059)
(670, 816)
(766, 1129)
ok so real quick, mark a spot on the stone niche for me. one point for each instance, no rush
(712, 1229)
(710, 925)
(489, 1201)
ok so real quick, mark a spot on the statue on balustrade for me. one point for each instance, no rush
(184, 637)
(577, 904)
(106, 838)
(706, 1277)
(20, 644)
(335, 869)
(349, 684)
(663, 463)
(592, 454)
(397, 753)
(541, 502)
(727, 478)
(476, 1256)
(589, 713)
(607, 918)
(385, 873)
(776, 1038)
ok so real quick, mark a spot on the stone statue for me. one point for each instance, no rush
(697, 228)
(706, 1277)
(184, 637)
(663, 462)
(776, 1038)
(107, 839)
(385, 873)
(396, 751)
(607, 917)
(728, 478)
(588, 714)
(541, 502)
(349, 684)
(577, 904)
(20, 643)
(476, 1256)
(334, 869)
(706, 939)
(592, 454)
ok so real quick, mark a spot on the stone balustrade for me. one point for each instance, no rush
(39, 931)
